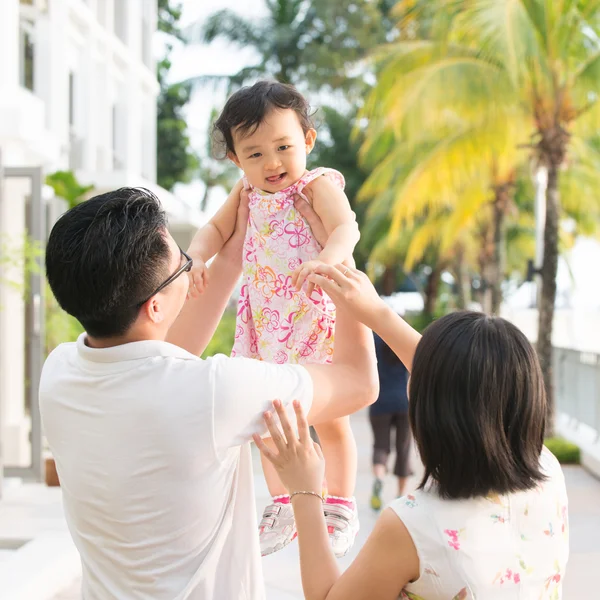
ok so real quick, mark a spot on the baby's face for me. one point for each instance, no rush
(274, 156)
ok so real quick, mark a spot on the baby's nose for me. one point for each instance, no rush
(272, 164)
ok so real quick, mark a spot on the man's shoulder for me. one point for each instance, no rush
(62, 352)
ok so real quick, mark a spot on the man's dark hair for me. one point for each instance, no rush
(107, 255)
(477, 407)
(248, 108)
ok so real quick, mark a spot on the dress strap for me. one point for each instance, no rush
(310, 176)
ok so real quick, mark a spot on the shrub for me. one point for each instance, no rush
(566, 452)
(222, 341)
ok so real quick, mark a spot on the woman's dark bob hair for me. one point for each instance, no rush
(477, 407)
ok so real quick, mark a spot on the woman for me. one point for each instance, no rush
(490, 517)
(390, 414)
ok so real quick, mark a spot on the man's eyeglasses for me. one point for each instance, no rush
(185, 268)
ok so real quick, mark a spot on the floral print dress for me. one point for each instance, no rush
(495, 548)
(275, 322)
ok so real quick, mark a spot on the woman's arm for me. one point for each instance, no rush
(352, 291)
(387, 562)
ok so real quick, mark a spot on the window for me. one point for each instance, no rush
(147, 34)
(118, 139)
(114, 136)
(120, 20)
(26, 55)
(101, 10)
(71, 99)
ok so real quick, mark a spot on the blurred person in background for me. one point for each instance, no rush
(390, 413)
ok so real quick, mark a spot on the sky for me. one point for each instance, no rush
(216, 59)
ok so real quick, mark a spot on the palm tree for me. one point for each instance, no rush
(299, 41)
(537, 58)
(446, 174)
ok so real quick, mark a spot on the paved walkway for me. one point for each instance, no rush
(281, 570)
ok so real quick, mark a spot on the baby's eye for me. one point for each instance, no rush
(255, 155)
(283, 148)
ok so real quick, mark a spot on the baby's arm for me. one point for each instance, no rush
(212, 237)
(332, 206)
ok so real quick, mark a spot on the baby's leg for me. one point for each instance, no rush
(274, 484)
(339, 450)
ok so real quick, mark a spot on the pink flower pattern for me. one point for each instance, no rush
(275, 322)
(453, 542)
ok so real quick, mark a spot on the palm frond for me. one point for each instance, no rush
(504, 31)
(230, 26)
(462, 85)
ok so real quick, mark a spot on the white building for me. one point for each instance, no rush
(77, 92)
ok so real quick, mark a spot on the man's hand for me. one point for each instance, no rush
(313, 220)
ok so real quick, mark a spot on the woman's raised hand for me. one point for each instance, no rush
(350, 290)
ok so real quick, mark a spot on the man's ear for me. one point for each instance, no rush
(232, 156)
(153, 310)
(310, 139)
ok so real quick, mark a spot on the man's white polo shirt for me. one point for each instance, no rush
(151, 446)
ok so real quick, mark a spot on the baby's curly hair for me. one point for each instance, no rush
(247, 109)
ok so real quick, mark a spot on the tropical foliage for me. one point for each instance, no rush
(472, 100)
(176, 162)
(495, 86)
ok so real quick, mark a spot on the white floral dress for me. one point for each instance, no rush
(275, 322)
(496, 548)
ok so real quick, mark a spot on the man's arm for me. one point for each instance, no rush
(214, 235)
(349, 383)
(197, 322)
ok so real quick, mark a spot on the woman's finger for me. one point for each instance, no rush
(301, 278)
(303, 429)
(290, 436)
(336, 273)
(264, 449)
(317, 449)
(349, 272)
(276, 436)
(330, 287)
(310, 289)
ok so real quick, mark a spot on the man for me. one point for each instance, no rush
(152, 443)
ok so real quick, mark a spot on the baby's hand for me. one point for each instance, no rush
(302, 272)
(198, 277)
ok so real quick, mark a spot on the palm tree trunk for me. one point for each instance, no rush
(432, 290)
(463, 282)
(496, 267)
(204, 200)
(388, 280)
(548, 295)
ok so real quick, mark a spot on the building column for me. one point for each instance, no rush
(9, 46)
